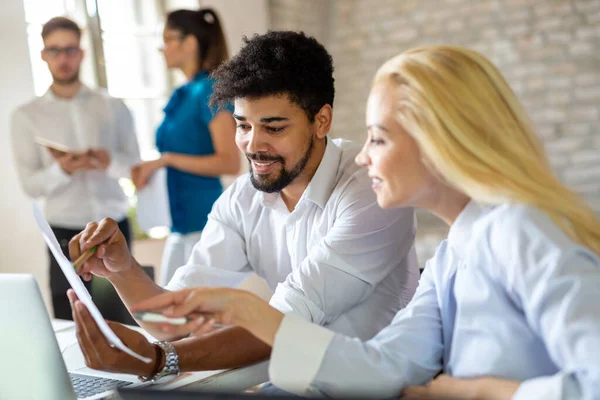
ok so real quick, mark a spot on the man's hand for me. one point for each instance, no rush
(73, 162)
(111, 256)
(99, 354)
(56, 154)
(100, 157)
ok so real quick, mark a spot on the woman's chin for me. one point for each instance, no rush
(386, 201)
(383, 201)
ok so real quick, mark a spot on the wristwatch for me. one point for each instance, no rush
(170, 370)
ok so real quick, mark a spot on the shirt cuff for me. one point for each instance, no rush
(117, 169)
(288, 301)
(179, 281)
(297, 354)
(547, 387)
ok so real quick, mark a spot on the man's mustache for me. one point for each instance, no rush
(263, 157)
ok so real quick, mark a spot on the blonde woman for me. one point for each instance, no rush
(508, 306)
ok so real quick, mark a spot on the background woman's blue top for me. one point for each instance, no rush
(185, 130)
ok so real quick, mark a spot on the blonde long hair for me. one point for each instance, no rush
(472, 129)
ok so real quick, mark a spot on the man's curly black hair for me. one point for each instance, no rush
(277, 63)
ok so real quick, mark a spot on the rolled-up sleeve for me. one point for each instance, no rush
(557, 283)
(127, 153)
(407, 352)
(37, 180)
(219, 258)
(361, 249)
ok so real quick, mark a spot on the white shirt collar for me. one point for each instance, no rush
(461, 230)
(323, 181)
(50, 96)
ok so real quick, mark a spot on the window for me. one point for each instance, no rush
(131, 32)
(121, 39)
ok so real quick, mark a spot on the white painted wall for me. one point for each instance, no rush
(22, 248)
(239, 18)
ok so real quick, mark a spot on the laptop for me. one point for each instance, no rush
(32, 366)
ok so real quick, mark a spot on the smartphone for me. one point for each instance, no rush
(157, 318)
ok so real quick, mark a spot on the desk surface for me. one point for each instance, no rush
(231, 380)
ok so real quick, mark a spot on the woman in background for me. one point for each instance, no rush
(197, 144)
(507, 307)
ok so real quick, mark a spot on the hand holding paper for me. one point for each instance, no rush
(78, 286)
(71, 160)
(98, 351)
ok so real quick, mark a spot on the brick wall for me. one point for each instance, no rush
(310, 16)
(549, 51)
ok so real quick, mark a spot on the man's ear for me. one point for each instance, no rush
(323, 120)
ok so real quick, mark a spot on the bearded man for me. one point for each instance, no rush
(88, 142)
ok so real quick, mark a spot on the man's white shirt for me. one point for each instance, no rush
(92, 119)
(337, 259)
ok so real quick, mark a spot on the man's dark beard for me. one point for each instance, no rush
(67, 81)
(285, 176)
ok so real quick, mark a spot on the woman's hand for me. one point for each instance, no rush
(206, 307)
(203, 307)
(141, 173)
(449, 388)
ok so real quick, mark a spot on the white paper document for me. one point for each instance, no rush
(153, 203)
(78, 286)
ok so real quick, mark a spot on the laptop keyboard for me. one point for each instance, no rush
(87, 386)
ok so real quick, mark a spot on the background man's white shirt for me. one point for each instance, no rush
(92, 119)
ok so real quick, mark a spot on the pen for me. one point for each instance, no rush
(84, 257)
(147, 316)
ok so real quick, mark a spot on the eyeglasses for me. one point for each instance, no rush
(54, 52)
(167, 39)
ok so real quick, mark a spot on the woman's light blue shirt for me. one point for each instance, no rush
(508, 294)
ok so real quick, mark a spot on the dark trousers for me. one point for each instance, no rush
(58, 283)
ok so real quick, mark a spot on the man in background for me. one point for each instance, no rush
(71, 146)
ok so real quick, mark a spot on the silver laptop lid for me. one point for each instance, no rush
(31, 366)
